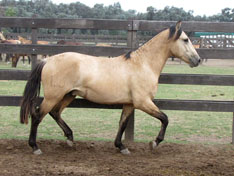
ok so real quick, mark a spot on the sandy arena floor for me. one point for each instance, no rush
(101, 158)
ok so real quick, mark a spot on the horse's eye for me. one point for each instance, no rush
(186, 40)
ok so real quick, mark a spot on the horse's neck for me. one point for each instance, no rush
(155, 52)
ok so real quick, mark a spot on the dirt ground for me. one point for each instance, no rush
(101, 158)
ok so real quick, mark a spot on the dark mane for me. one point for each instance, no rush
(172, 32)
(128, 55)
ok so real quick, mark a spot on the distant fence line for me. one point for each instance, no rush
(121, 40)
(132, 27)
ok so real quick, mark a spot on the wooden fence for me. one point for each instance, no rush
(132, 26)
(121, 40)
(85, 39)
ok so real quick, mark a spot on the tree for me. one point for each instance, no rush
(114, 11)
(227, 15)
(10, 11)
(131, 14)
(99, 11)
(46, 8)
(150, 13)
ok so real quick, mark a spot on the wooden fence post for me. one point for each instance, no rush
(34, 41)
(131, 43)
(233, 129)
(129, 132)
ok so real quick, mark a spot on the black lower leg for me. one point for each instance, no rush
(29, 59)
(164, 120)
(118, 142)
(66, 129)
(33, 132)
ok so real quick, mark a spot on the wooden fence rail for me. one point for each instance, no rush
(216, 53)
(132, 26)
(53, 38)
(217, 41)
(165, 104)
(165, 78)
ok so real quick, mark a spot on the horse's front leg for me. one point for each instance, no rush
(126, 112)
(150, 108)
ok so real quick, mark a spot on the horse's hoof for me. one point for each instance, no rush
(125, 152)
(37, 152)
(152, 145)
(69, 143)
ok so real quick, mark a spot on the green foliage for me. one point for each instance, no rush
(47, 9)
(10, 12)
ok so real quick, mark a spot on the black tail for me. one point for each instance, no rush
(31, 93)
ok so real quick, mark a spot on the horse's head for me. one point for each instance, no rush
(2, 36)
(181, 47)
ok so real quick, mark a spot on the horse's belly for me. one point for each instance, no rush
(106, 97)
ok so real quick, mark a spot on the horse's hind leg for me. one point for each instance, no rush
(29, 59)
(36, 119)
(56, 114)
(23, 59)
(150, 108)
(127, 110)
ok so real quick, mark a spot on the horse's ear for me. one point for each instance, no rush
(178, 25)
(175, 31)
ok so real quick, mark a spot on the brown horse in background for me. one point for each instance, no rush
(4, 40)
(130, 79)
(26, 41)
(29, 42)
(14, 57)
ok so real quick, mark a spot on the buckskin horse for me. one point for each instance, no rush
(130, 79)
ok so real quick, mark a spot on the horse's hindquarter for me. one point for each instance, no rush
(58, 75)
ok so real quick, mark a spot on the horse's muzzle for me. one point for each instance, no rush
(195, 61)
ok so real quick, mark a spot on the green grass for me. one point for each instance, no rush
(186, 126)
(20, 66)
(99, 124)
(12, 87)
(202, 69)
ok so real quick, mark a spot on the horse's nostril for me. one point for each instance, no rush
(200, 60)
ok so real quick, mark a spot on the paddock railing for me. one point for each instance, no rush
(132, 27)
(218, 41)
